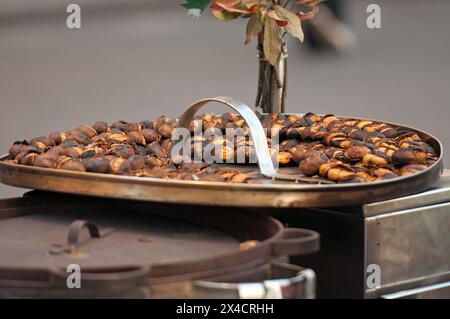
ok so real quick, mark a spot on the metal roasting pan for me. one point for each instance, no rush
(276, 194)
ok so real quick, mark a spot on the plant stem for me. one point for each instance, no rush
(271, 93)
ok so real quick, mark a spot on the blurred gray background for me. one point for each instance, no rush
(137, 59)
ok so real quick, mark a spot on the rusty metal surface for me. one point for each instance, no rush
(270, 194)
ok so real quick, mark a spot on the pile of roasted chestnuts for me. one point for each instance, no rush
(340, 150)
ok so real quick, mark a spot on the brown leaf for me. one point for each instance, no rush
(308, 15)
(254, 27)
(294, 26)
(223, 9)
(280, 21)
(229, 6)
(272, 41)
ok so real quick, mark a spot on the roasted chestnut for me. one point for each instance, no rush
(100, 127)
(78, 137)
(407, 156)
(120, 166)
(122, 150)
(44, 161)
(136, 137)
(132, 127)
(28, 159)
(165, 131)
(151, 135)
(147, 124)
(57, 137)
(356, 152)
(87, 130)
(16, 149)
(73, 152)
(156, 149)
(118, 137)
(310, 165)
(70, 164)
(98, 165)
(152, 161)
(376, 159)
(136, 162)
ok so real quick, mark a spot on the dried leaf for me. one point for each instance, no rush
(294, 26)
(280, 21)
(272, 41)
(308, 15)
(231, 7)
(254, 27)
(223, 15)
(221, 9)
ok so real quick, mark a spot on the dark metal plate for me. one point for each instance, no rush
(169, 240)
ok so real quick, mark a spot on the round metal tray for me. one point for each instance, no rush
(277, 194)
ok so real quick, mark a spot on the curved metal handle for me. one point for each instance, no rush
(256, 130)
(289, 282)
(75, 229)
(73, 237)
(257, 133)
(296, 241)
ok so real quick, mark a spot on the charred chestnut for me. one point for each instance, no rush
(150, 135)
(120, 125)
(98, 165)
(87, 153)
(152, 161)
(136, 137)
(356, 152)
(57, 137)
(121, 150)
(78, 137)
(136, 162)
(100, 127)
(147, 124)
(165, 131)
(71, 165)
(310, 165)
(87, 130)
(73, 152)
(411, 169)
(28, 159)
(132, 127)
(118, 137)
(120, 166)
(44, 161)
(16, 149)
(407, 156)
(156, 149)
